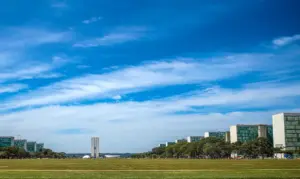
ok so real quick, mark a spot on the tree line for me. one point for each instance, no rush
(20, 153)
(213, 148)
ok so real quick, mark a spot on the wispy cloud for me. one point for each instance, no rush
(59, 4)
(132, 79)
(113, 38)
(92, 20)
(282, 41)
(10, 88)
(25, 37)
(32, 70)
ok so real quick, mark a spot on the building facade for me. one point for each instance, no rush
(95, 147)
(169, 143)
(246, 133)
(6, 141)
(194, 138)
(31, 146)
(221, 135)
(286, 131)
(161, 145)
(180, 140)
(39, 147)
(227, 136)
(21, 143)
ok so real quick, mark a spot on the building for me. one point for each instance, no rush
(112, 156)
(246, 133)
(221, 135)
(31, 146)
(286, 131)
(161, 145)
(194, 138)
(39, 147)
(95, 147)
(180, 140)
(21, 143)
(169, 143)
(6, 141)
(227, 137)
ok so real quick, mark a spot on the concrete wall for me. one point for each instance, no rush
(233, 134)
(278, 130)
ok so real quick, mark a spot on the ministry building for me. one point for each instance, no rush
(286, 128)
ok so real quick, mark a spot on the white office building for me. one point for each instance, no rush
(95, 147)
(286, 131)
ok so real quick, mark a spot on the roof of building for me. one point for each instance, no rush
(7, 137)
(288, 113)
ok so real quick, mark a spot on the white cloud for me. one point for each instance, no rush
(117, 124)
(132, 79)
(282, 41)
(11, 88)
(32, 70)
(117, 97)
(25, 37)
(113, 38)
(91, 20)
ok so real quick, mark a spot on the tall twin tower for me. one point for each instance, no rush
(95, 147)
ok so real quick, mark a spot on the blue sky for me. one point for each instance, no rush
(138, 73)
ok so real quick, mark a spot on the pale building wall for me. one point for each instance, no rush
(233, 134)
(262, 131)
(206, 134)
(278, 130)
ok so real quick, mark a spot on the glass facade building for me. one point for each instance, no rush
(246, 133)
(31, 146)
(220, 135)
(21, 143)
(169, 143)
(6, 141)
(194, 138)
(180, 140)
(39, 147)
(161, 145)
(286, 130)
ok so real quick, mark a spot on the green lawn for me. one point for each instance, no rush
(144, 168)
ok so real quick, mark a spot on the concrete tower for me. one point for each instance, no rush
(95, 147)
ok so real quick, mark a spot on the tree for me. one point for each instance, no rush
(263, 147)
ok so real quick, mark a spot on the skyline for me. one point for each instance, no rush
(144, 72)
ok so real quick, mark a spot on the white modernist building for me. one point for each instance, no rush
(286, 131)
(95, 147)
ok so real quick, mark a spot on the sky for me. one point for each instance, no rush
(138, 73)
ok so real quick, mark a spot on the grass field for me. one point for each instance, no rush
(147, 168)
